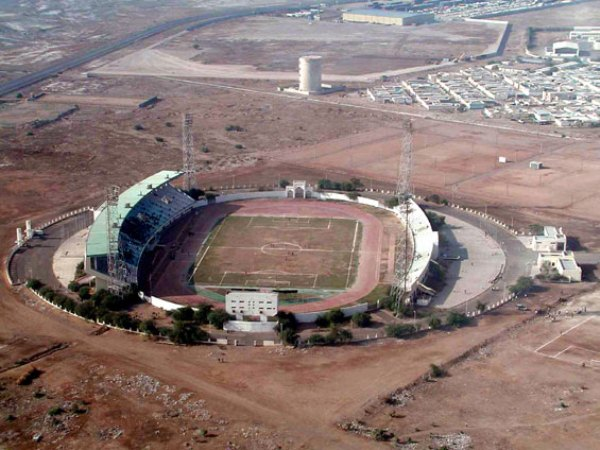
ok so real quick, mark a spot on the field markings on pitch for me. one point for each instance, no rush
(352, 254)
(563, 333)
(205, 251)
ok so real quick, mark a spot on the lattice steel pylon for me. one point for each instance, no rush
(400, 288)
(189, 167)
(113, 255)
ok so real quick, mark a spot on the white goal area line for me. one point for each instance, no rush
(563, 333)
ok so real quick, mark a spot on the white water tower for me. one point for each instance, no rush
(310, 74)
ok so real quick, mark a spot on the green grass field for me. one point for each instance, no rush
(280, 252)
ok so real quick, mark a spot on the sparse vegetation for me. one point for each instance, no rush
(234, 128)
(436, 371)
(457, 320)
(349, 186)
(218, 317)
(361, 319)
(435, 322)
(392, 202)
(399, 330)
(522, 286)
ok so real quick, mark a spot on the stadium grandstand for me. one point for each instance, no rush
(143, 211)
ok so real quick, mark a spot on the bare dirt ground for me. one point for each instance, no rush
(549, 397)
(275, 43)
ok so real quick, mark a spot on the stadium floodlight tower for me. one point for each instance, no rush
(113, 254)
(400, 288)
(188, 151)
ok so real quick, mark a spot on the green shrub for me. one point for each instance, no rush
(286, 321)
(289, 336)
(335, 316)
(187, 333)
(435, 322)
(218, 317)
(84, 293)
(457, 320)
(74, 286)
(185, 314)
(399, 330)
(284, 183)
(392, 202)
(86, 309)
(361, 319)
(316, 339)
(522, 286)
(202, 312)
(34, 284)
(322, 322)
(437, 371)
(55, 411)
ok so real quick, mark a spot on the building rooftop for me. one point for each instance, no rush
(97, 241)
(382, 13)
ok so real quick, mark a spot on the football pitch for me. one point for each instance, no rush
(280, 252)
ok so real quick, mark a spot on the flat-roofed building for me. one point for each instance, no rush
(558, 264)
(551, 240)
(386, 17)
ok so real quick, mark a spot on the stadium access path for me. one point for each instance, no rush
(170, 280)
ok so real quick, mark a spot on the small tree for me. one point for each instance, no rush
(218, 317)
(187, 333)
(457, 320)
(149, 327)
(283, 183)
(34, 284)
(289, 336)
(84, 293)
(437, 371)
(201, 314)
(73, 286)
(361, 319)
(522, 286)
(392, 202)
(322, 322)
(335, 316)
(86, 309)
(399, 330)
(435, 322)
(185, 314)
(316, 339)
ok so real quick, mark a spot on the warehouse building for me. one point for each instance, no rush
(384, 17)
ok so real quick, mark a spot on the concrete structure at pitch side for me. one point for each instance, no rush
(385, 17)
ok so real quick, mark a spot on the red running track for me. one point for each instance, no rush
(171, 283)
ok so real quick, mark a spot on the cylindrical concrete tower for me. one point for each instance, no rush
(310, 73)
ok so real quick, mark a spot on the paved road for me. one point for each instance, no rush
(86, 57)
(518, 258)
(481, 260)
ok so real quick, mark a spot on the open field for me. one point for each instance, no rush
(24, 113)
(462, 162)
(275, 43)
(536, 392)
(284, 252)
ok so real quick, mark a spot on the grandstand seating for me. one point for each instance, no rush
(147, 218)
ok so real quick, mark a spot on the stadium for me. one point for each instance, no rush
(316, 250)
